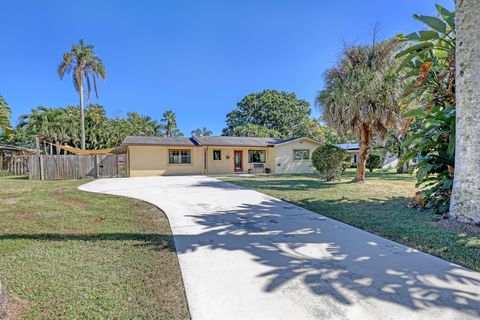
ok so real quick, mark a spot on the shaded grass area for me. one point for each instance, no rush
(379, 206)
(68, 254)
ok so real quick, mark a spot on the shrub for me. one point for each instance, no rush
(328, 160)
(374, 161)
(347, 161)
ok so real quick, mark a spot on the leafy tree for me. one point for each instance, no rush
(170, 122)
(429, 63)
(329, 160)
(86, 69)
(201, 132)
(271, 109)
(465, 203)
(361, 95)
(253, 130)
(5, 114)
(374, 161)
(62, 126)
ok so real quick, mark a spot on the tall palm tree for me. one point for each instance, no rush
(170, 120)
(201, 132)
(465, 201)
(361, 95)
(87, 69)
(5, 113)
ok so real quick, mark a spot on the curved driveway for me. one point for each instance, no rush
(245, 255)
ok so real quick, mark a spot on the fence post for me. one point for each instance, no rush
(42, 173)
(95, 164)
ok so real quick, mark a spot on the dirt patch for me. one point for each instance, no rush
(10, 201)
(15, 308)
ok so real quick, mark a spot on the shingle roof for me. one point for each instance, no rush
(159, 141)
(236, 141)
(222, 141)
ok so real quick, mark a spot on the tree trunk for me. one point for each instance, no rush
(365, 137)
(465, 201)
(82, 118)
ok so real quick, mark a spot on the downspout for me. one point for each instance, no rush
(205, 158)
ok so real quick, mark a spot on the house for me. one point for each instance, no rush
(151, 156)
(351, 148)
(7, 150)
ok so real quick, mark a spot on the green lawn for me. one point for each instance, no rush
(69, 254)
(380, 206)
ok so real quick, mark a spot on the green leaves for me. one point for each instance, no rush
(433, 22)
(448, 16)
(5, 114)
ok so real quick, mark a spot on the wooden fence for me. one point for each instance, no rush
(15, 165)
(63, 167)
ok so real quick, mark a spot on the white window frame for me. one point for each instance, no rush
(256, 150)
(180, 158)
(302, 150)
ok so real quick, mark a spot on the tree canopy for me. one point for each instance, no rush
(275, 111)
(361, 94)
(86, 68)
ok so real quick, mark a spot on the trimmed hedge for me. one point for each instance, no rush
(329, 161)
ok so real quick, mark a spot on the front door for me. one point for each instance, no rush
(238, 160)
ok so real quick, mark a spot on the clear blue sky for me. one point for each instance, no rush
(198, 58)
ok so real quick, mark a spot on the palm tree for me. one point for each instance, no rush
(465, 202)
(5, 113)
(361, 95)
(201, 132)
(87, 69)
(169, 118)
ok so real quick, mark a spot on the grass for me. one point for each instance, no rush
(68, 254)
(379, 206)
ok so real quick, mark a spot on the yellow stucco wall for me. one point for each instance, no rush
(226, 164)
(284, 159)
(153, 161)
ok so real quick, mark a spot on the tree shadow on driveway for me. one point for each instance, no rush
(334, 259)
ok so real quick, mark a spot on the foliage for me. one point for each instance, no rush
(201, 132)
(169, 121)
(328, 160)
(274, 110)
(253, 130)
(5, 114)
(86, 69)
(62, 126)
(361, 94)
(374, 161)
(429, 63)
(347, 161)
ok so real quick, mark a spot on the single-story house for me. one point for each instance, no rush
(353, 149)
(151, 156)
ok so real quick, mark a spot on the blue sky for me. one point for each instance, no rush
(198, 58)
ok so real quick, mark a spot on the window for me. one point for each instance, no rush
(256, 156)
(217, 154)
(179, 156)
(301, 154)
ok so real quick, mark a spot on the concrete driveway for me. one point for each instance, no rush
(245, 255)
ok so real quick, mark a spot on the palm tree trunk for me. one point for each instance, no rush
(465, 201)
(365, 137)
(82, 118)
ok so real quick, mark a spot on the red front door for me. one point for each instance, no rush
(238, 160)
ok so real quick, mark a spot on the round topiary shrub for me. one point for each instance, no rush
(329, 160)
(373, 161)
